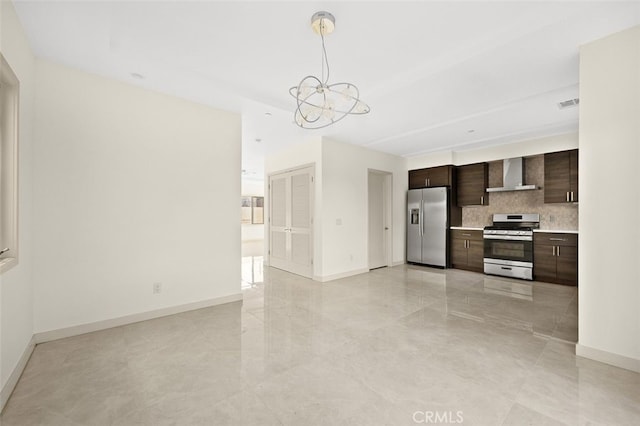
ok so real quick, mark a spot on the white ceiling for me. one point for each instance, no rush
(430, 71)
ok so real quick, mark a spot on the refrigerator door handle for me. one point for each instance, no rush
(422, 218)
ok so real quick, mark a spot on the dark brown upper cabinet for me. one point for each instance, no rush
(472, 185)
(561, 177)
(433, 176)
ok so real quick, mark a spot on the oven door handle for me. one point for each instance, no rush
(509, 237)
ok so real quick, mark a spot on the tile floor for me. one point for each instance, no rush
(397, 346)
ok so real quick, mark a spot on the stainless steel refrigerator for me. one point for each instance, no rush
(427, 226)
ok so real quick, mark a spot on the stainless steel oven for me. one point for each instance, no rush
(508, 245)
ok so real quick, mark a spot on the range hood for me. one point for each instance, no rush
(513, 176)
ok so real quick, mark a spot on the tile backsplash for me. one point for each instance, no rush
(552, 216)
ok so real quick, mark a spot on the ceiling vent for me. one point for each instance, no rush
(568, 104)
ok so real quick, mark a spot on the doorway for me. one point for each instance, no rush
(380, 232)
(291, 195)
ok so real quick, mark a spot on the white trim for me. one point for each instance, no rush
(76, 330)
(9, 163)
(610, 358)
(398, 263)
(12, 381)
(324, 279)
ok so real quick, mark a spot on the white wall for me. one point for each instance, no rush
(16, 287)
(341, 193)
(132, 187)
(498, 152)
(345, 171)
(609, 254)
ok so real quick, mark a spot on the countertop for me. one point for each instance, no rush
(558, 231)
(553, 231)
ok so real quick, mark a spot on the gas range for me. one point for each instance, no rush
(508, 245)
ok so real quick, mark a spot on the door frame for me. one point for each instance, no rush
(312, 200)
(387, 199)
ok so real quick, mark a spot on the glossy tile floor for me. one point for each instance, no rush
(397, 346)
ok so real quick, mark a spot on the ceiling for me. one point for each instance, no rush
(437, 75)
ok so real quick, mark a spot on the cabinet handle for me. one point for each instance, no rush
(558, 251)
(572, 196)
(429, 182)
(557, 239)
(426, 182)
(466, 235)
(553, 250)
(482, 200)
(567, 196)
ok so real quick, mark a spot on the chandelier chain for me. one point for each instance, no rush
(325, 58)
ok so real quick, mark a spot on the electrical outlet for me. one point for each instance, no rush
(157, 288)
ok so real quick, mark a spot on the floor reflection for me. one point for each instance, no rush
(510, 288)
(373, 348)
(252, 271)
(252, 263)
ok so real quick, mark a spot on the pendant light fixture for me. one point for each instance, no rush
(319, 103)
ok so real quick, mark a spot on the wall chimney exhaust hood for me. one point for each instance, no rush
(513, 176)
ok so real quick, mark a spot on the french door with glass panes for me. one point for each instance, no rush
(291, 221)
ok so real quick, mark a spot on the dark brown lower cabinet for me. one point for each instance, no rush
(467, 250)
(555, 258)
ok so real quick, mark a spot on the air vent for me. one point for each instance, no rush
(568, 104)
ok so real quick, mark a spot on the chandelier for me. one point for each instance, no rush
(320, 104)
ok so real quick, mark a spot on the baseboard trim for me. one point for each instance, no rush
(8, 387)
(398, 263)
(76, 330)
(333, 277)
(608, 358)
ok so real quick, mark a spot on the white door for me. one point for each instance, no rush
(291, 221)
(378, 228)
